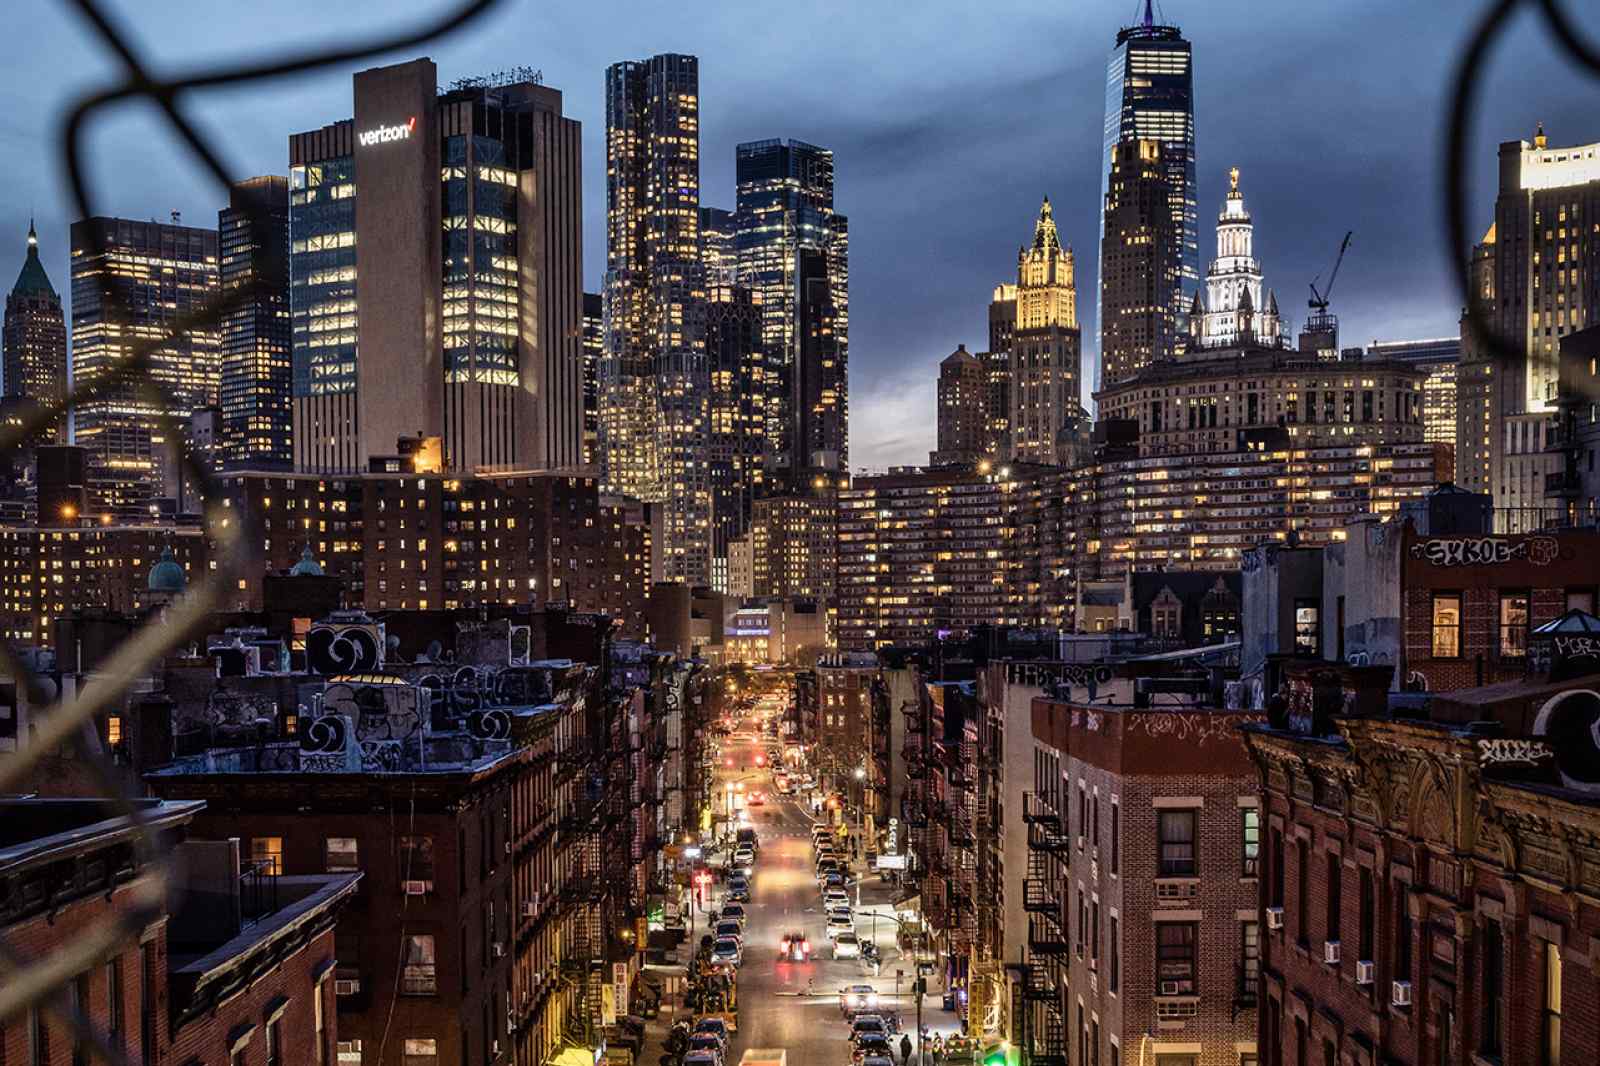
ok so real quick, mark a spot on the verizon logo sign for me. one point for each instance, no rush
(385, 134)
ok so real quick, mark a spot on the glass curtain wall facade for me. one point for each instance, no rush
(155, 275)
(253, 238)
(322, 303)
(1150, 97)
(785, 210)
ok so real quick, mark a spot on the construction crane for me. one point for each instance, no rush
(1319, 300)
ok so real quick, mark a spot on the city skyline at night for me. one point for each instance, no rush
(1003, 128)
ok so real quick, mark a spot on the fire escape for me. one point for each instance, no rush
(1045, 960)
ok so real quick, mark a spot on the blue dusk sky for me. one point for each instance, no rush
(949, 122)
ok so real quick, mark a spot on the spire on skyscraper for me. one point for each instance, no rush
(33, 281)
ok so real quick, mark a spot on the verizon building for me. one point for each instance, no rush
(435, 272)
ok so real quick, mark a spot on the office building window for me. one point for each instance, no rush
(1250, 833)
(1492, 951)
(419, 977)
(1513, 625)
(341, 855)
(268, 850)
(1176, 855)
(1307, 627)
(1550, 1007)
(1447, 625)
(1175, 959)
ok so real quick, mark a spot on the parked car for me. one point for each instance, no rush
(739, 888)
(794, 947)
(875, 1048)
(716, 1027)
(734, 911)
(846, 946)
(730, 927)
(877, 1060)
(835, 897)
(706, 1042)
(839, 923)
(701, 1058)
(833, 878)
(727, 950)
(865, 1025)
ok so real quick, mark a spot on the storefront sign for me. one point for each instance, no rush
(385, 134)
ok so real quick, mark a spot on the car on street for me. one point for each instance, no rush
(756, 799)
(702, 1058)
(714, 1027)
(875, 1048)
(835, 897)
(735, 911)
(846, 946)
(744, 861)
(726, 950)
(706, 1042)
(747, 837)
(739, 888)
(877, 1060)
(730, 927)
(839, 923)
(833, 878)
(868, 1025)
(856, 999)
(794, 947)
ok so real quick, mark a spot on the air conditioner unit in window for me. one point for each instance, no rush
(346, 986)
(1330, 952)
(1170, 988)
(1274, 917)
(415, 888)
(498, 950)
(530, 907)
(1364, 970)
(1401, 994)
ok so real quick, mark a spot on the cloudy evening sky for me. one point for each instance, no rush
(948, 121)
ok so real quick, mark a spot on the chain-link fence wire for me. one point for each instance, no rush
(42, 982)
(26, 982)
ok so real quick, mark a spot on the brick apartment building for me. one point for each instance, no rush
(1140, 885)
(1471, 601)
(233, 968)
(459, 800)
(1429, 883)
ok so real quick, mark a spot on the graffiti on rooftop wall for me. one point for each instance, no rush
(380, 711)
(344, 649)
(1570, 722)
(1486, 551)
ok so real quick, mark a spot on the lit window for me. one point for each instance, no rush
(1446, 625)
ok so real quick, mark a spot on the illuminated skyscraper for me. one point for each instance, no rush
(594, 350)
(718, 245)
(739, 394)
(1046, 348)
(35, 336)
(794, 254)
(654, 380)
(253, 238)
(1136, 263)
(153, 275)
(1150, 97)
(963, 415)
(448, 304)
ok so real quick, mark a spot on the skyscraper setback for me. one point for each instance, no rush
(35, 336)
(1150, 97)
(794, 254)
(253, 238)
(132, 282)
(479, 331)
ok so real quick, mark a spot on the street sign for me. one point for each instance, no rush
(891, 862)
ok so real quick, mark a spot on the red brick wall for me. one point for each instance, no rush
(206, 1039)
(40, 937)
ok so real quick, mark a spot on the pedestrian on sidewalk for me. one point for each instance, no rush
(905, 1048)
